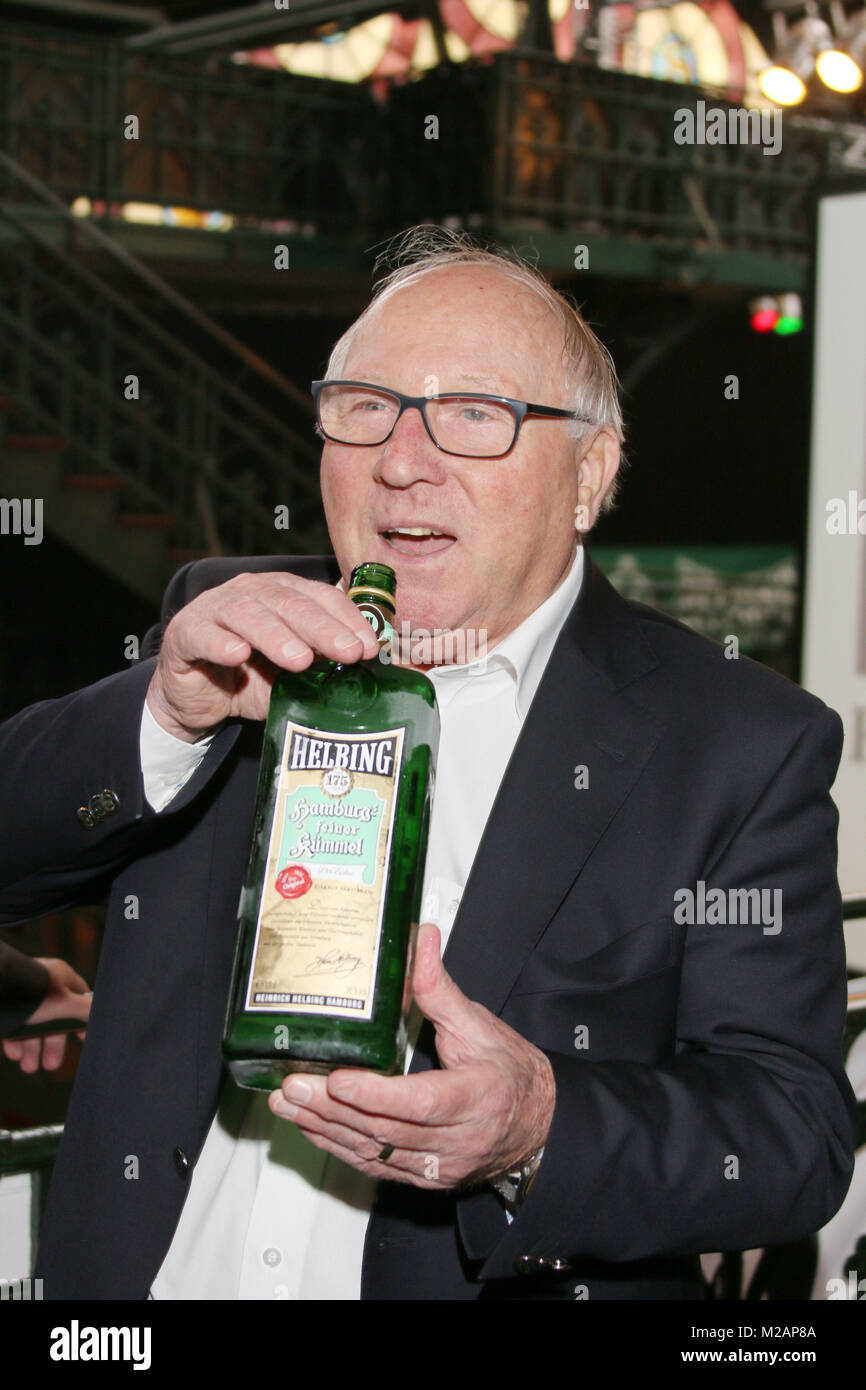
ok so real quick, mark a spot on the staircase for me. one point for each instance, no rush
(145, 454)
(84, 510)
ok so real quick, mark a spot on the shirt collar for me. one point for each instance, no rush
(525, 652)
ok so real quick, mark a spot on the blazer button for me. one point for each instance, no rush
(181, 1163)
(85, 818)
(103, 804)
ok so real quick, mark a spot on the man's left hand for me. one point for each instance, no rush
(484, 1113)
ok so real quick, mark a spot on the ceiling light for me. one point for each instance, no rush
(796, 51)
(841, 67)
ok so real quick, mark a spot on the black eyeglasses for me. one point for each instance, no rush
(470, 426)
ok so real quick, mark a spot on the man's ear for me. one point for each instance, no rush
(596, 472)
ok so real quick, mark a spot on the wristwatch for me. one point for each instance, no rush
(513, 1186)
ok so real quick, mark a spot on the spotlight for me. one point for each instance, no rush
(781, 86)
(784, 83)
(841, 67)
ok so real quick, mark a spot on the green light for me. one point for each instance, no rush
(788, 323)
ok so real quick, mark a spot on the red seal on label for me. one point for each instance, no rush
(293, 882)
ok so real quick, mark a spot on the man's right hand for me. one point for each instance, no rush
(220, 653)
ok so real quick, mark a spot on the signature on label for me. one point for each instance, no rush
(333, 962)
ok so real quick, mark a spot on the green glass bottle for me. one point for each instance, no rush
(330, 901)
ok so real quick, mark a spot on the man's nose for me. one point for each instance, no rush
(410, 454)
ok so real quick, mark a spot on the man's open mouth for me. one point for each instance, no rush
(418, 540)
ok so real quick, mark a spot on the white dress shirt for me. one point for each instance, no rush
(267, 1214)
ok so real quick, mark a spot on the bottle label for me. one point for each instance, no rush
(378, 620)
(320, 918)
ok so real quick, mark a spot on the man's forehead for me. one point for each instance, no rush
(434, 313)
(462, 292)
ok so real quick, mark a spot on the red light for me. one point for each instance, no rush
(765, 320)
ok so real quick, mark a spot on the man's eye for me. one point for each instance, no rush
(474, 414)
(363, 405)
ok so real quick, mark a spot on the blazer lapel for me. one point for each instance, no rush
(582, 716)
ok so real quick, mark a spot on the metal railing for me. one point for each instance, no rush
(31, 1151)
(193, 444)
(23, 1150)
(569, 153)
(211, 133)
(579, 145)
(522, 140)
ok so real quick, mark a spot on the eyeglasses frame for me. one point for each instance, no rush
(519, 409)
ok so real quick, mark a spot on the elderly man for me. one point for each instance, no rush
(604, 1082)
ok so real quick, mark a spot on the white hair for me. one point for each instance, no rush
(591, 382)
